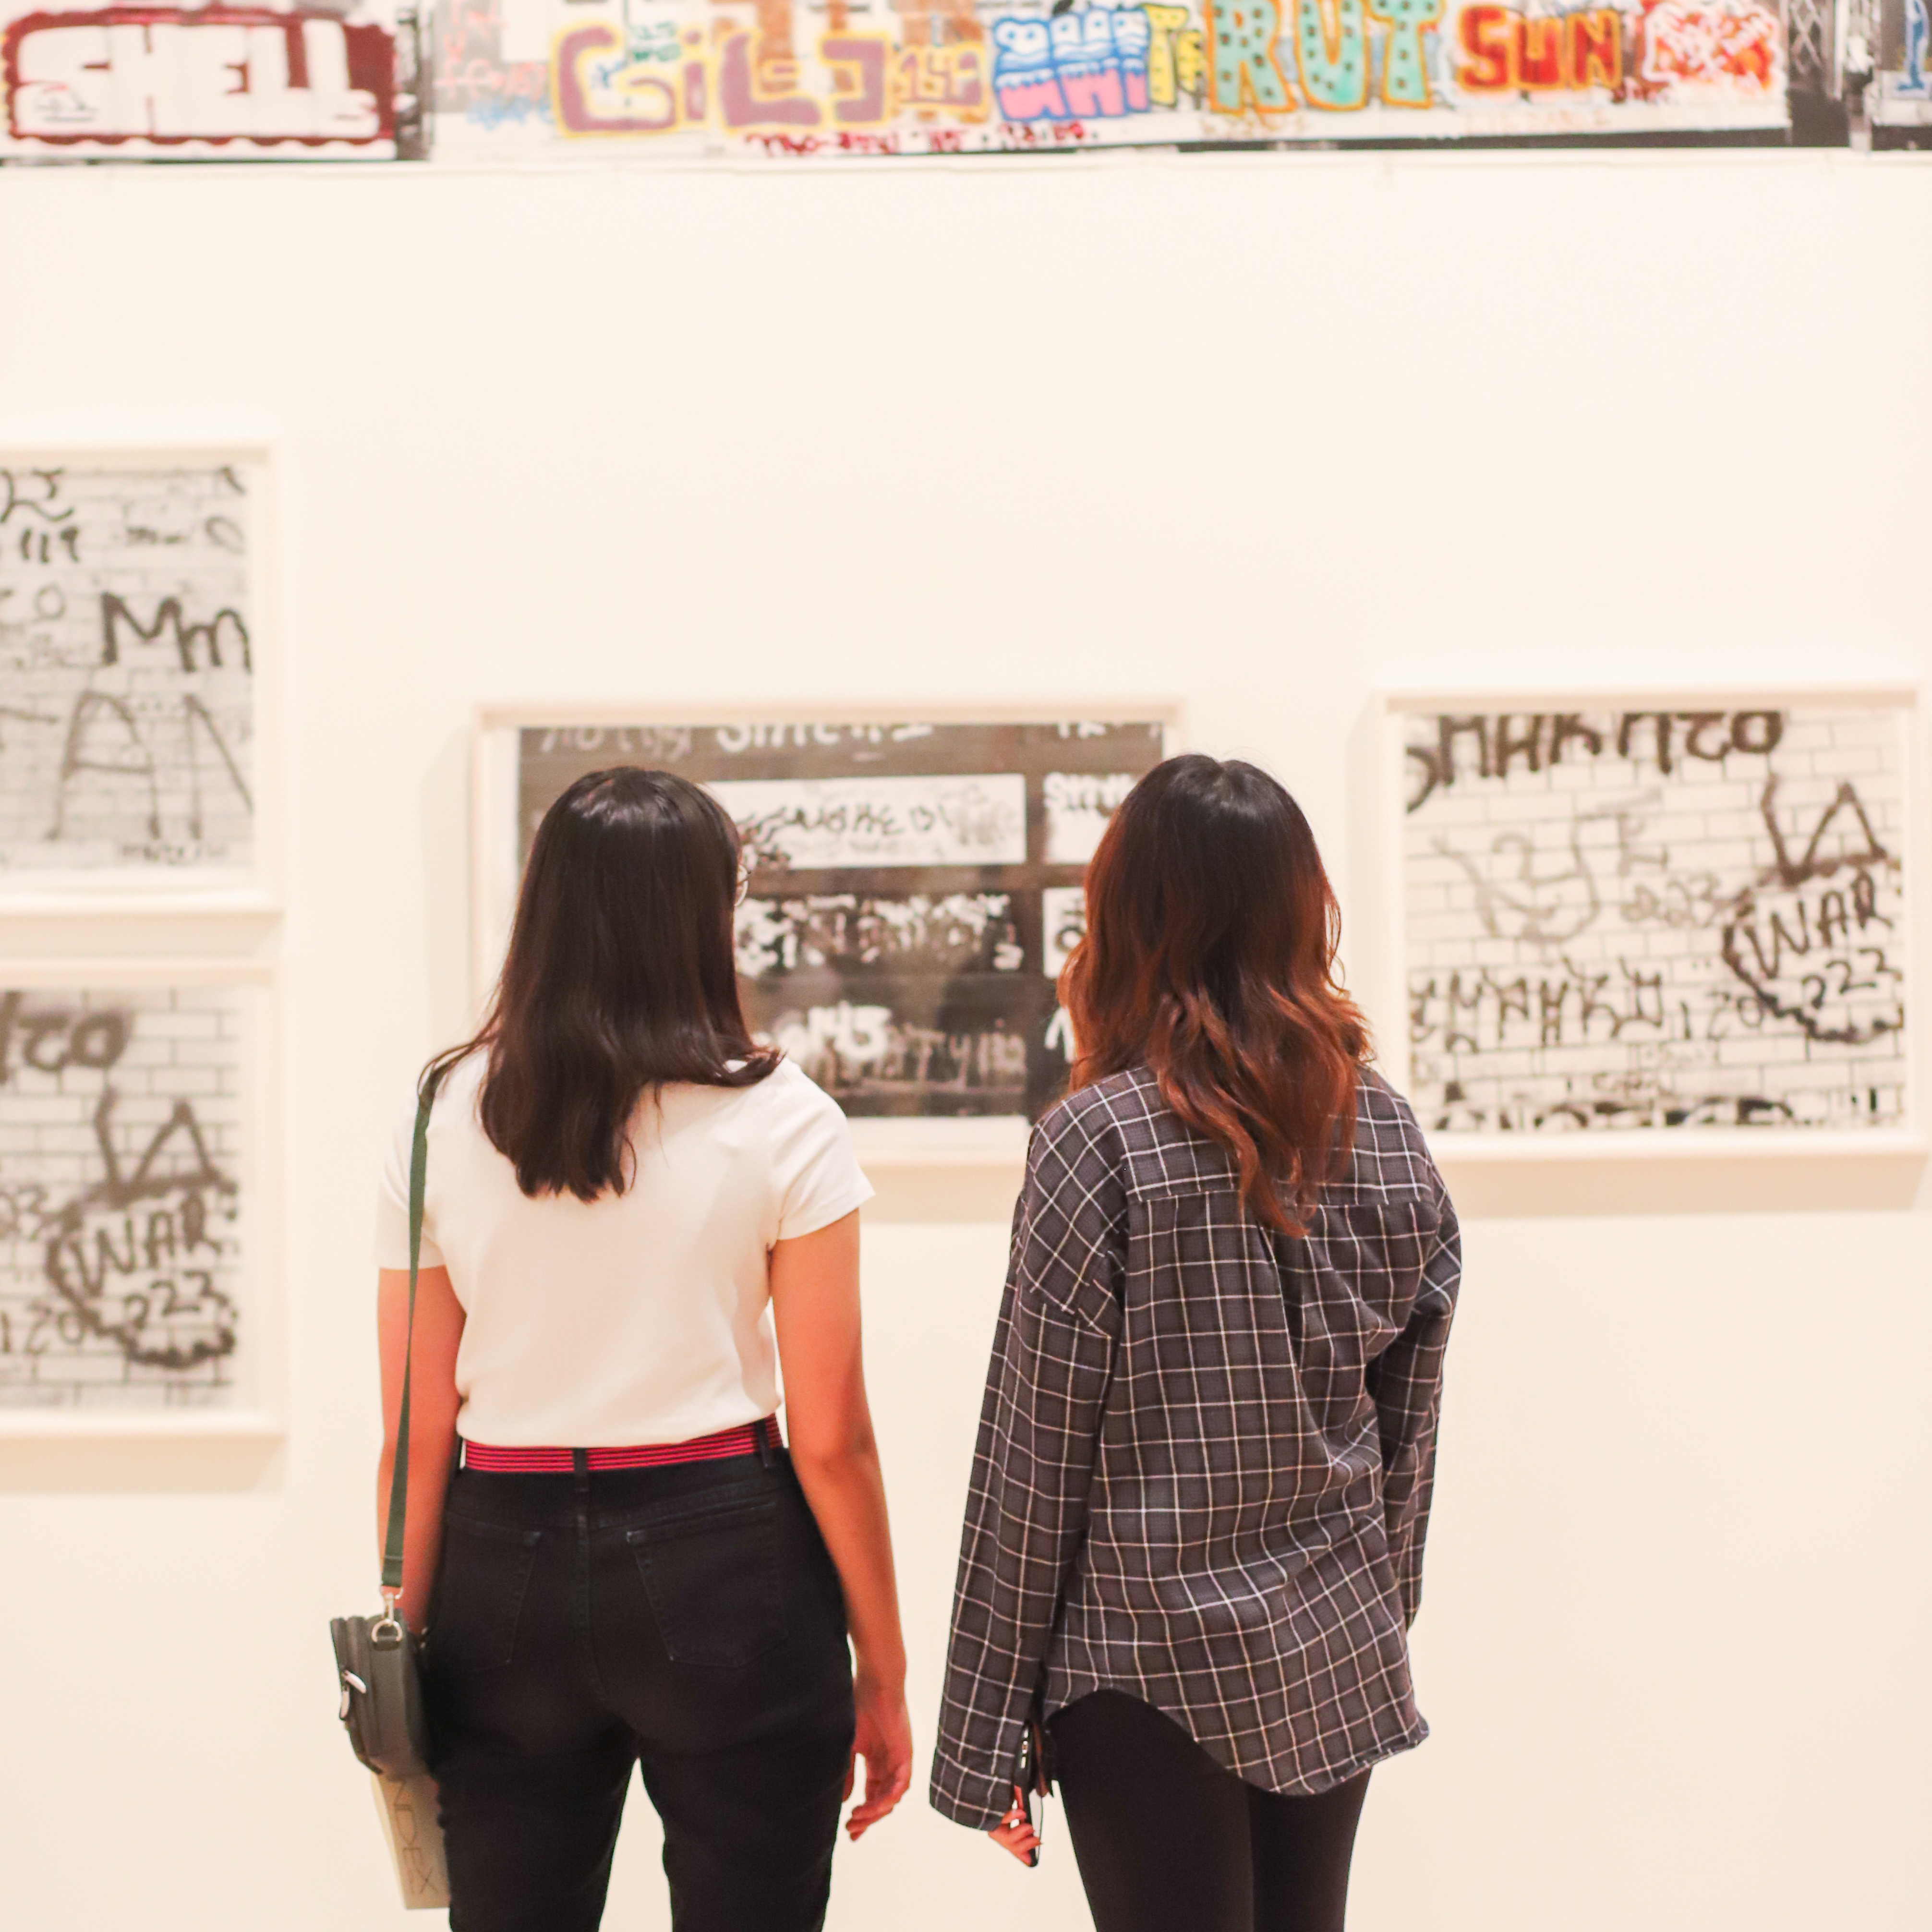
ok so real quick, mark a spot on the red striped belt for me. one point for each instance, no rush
(745, 1440)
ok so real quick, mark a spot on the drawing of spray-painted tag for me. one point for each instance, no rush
(946, 819)
(125, 647)
(1817, 937)
(120, 1230)
(138, 1259)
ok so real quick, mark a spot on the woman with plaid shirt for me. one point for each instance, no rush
(1193, 1544)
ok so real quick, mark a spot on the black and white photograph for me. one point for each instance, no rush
(912, 887)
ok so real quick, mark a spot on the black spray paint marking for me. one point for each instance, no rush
(132, 1260)
(1540, 739)
(1824, 911)
(169, 623)
(137, 760)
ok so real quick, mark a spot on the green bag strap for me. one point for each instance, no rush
(399, 1476)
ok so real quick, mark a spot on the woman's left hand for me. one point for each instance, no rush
(1015, 1832)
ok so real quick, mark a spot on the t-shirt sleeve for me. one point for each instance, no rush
(819, 1180)
(392, 1204)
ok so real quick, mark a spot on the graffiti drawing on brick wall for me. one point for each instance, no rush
(127, 639)
(121, 1125)
(1674, 919)
(109, 81)
(913, 889)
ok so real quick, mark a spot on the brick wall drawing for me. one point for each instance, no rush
(1676, 919)
(120, 1172)
(126, 668)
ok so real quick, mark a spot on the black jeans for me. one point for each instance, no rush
(686, 1617)
(1166, 1838)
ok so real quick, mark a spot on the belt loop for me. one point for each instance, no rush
(580, 1462)
(766, 1429)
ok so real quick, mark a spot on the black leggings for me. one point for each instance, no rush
(1166, 1838)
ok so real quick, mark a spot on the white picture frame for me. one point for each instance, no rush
(1392, 948)
(156, 889)
(986, 1142)
(257, 1409)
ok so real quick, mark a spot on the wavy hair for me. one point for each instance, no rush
(1209, 958)
(620, 976)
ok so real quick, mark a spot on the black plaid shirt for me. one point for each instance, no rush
(1205, 1456)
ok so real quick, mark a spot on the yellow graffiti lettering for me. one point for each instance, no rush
(1163, 71)
(950, 78)
(1190, 62)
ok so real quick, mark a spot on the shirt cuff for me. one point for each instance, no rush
(387, 1256)
(968, 1797)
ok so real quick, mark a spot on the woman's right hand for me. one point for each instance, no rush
(1016, 1832)
(883, 1737)
(815, 1304)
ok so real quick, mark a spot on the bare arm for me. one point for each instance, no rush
(433, 1407)
(815, 1281)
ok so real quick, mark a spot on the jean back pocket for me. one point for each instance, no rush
(712, 1573)
(479, 1593)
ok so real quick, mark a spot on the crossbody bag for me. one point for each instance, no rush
(378, 1662)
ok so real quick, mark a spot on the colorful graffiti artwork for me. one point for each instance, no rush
(229, 82)
(774, 78)
(519, 80)
(1734, 50)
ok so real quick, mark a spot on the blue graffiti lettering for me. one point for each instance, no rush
(1088, 65)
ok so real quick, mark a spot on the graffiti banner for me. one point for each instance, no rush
(769, 78)
(93, 82)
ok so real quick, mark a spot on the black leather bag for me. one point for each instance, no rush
(382, 1709)
(377, 1661)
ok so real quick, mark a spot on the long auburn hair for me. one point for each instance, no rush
(620, 976)
(1209, 958)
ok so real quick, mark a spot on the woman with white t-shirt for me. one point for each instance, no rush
(632, 1214)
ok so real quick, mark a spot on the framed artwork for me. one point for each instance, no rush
(140, 692)
(915, 882)
(1655, 922)
(139, 1184)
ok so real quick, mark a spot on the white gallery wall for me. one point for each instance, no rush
(1258, 433)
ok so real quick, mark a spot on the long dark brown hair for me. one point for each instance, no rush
(620, 976)
(1209, 958)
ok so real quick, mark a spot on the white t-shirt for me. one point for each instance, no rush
(639, 1317)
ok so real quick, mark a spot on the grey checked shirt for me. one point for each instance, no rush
(1206, 1452)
